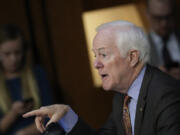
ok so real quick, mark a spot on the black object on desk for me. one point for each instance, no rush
(54, 129)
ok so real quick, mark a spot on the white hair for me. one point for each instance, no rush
(129, 36)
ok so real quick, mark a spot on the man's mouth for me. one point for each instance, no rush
(103, 76)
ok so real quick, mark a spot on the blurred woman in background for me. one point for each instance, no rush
(22, 86)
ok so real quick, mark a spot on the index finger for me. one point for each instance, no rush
(37, 112)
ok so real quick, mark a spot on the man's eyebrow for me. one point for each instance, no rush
(99, 49)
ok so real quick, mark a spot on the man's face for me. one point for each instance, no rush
(160, 16)
(11, 55)
(112, 67)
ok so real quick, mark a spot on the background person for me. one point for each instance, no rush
(146, 100)
(22, 86)
(164, 37)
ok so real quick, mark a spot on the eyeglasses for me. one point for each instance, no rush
(167, 17)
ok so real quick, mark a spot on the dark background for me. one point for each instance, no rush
(54, 28)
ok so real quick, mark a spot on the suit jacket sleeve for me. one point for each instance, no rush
(81, 128)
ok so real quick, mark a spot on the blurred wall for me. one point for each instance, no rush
(55, 30)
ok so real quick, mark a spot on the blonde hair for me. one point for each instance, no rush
(29, 89)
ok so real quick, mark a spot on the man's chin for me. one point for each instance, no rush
(106, 88)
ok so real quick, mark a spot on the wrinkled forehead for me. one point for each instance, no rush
(106, 33)
(104, 38)
(105, 49)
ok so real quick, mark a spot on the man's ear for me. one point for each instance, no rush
(133, 57)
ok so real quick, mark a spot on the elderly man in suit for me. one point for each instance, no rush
(146, 100)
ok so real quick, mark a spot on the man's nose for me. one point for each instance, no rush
(164, 22)
(98, 64)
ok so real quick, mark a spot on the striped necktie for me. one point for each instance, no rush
(126, 116)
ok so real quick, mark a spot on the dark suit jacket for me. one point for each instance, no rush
(157, 112)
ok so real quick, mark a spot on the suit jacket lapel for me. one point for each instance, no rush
(142, 100)
(118, 108)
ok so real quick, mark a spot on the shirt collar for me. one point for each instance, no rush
(134, 90)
